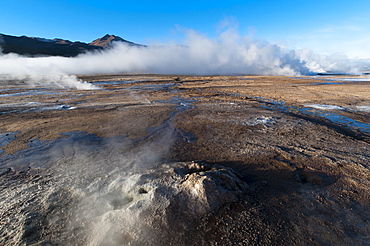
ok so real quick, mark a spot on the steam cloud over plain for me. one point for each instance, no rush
(228, 54)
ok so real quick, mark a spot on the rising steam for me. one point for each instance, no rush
(228, 54)
(35, 71)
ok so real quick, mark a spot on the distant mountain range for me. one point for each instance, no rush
(33, 46)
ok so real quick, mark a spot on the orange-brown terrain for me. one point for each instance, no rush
(186, 160)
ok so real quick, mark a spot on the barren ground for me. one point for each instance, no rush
(300, 146)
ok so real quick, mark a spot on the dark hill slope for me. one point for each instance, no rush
(32, 46)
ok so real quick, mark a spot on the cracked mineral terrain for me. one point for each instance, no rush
(186, 160)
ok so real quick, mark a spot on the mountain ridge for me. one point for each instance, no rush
(36, 46)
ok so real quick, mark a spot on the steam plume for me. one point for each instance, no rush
(228, 54)
(36, 71)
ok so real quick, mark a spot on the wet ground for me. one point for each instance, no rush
(300, 146)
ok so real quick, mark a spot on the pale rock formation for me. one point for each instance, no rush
(159, 206)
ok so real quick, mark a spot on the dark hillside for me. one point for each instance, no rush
(31, 46)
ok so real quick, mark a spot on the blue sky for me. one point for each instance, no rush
(323, 25)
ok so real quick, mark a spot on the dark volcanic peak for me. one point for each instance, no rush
(35, 46)
(108, 40)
